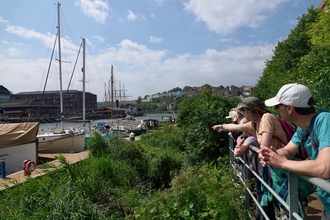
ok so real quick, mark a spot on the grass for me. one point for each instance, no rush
(146, 179)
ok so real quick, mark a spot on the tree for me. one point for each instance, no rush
(196, 116)
(282, 68)
(175, 89)
(320, 30)
(139, 100)
(186, 88)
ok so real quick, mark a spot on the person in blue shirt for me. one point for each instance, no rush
(295, 103)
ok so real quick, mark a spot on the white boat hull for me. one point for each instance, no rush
(61, 143)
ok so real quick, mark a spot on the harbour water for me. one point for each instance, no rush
(56, 126)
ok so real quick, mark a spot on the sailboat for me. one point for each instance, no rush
(65, 140)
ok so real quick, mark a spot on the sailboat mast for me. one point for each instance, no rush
(111, 92)
(84, 97)
(60, 60)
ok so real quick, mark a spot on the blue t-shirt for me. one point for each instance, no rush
(322, 138)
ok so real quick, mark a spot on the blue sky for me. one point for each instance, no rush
(153, 45)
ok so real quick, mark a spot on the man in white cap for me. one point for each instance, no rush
(295, 103)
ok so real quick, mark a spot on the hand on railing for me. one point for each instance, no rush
(269, 155)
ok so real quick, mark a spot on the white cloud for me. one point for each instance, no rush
(131, 15)
(229, 40)
(136, 64)
(12, 51)
(153, 39)
(99, 38)
(47, 40)
(226, 16)
(97, 9)
(145, 71)
(160, 2)
(2, 20)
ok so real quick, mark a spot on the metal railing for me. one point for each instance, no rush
(248, 173)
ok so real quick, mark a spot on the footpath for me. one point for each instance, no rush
(14, 179)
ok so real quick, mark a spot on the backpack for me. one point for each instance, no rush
(289, 131)
(311, 134)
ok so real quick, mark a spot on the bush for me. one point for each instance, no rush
(196, 117)
(96, 145)
(196, 193)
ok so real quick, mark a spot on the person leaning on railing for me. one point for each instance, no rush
(264, 126)
(295, 103)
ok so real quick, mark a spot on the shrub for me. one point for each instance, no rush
(196, 117)
(203, 192)
(96, 145)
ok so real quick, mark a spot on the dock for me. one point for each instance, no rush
(14, 179)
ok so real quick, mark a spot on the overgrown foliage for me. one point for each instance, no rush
(197, 193)
(303, 58)
(144, 179)
(196, 116)
(283, 66)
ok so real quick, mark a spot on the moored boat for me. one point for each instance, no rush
(65, 140)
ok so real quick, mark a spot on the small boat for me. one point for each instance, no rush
(126, 129)
(151, 123)
(129, 117)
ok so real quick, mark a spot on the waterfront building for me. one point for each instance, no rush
(38, 103)
(4, 94)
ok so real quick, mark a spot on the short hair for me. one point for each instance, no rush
(307, 111)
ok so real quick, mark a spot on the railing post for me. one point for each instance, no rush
(231, 155)
(293, 195)
(247, 175)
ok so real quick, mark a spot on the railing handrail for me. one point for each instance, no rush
(292, 207)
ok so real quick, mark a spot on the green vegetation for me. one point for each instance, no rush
(303, 57)
(196, 116)
(179, 172)
(158, 177)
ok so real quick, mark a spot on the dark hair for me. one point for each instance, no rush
(307, 111)
(257, 112)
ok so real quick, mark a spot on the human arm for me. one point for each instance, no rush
(265, 154)
(320, 167)
(240, 140)
(241, 149)
(227, 127)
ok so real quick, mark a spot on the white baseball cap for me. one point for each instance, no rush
(232, 113)
(296, 95)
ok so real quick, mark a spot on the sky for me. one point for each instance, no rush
(153, 45)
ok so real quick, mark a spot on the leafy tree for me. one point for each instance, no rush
(139, 99)
(282, 68)
(196, 116)
(314, 72)
(175, 107)
(148, 106)
(320, 30)
(175, 89)
(162, 107)
(186, 88)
